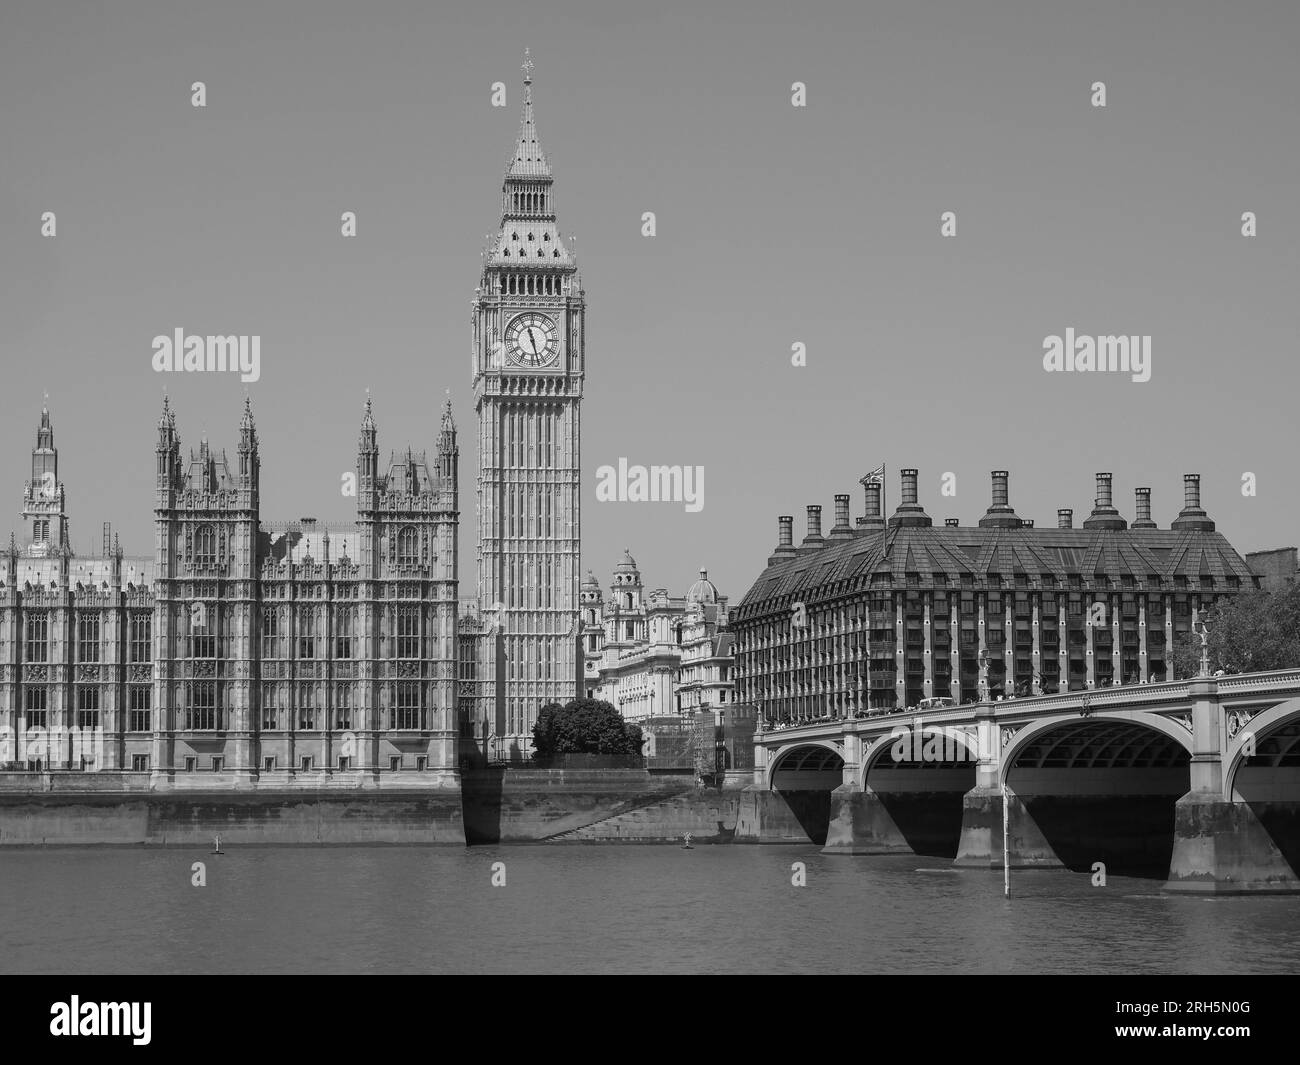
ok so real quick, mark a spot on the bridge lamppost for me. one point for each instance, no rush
(1203, 631)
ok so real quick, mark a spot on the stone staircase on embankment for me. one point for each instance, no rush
(709, 816)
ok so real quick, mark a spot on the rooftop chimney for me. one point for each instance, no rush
(951, 523)
(1192, 517)
(1065, 518)
(814, 539)
(909, 511)
(843, 530)
(1000, 515)
(785, 539)
(1143, 519)
(872, 519)
(1104, 515)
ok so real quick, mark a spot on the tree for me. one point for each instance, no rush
(585, 726)
(1254, 631)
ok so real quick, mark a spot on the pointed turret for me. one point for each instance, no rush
(367, 449)
(448, 452)
(528, 160)
(249, 461)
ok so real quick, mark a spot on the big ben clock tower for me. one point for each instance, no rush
(528, 373)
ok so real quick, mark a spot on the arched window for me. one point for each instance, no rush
(555, 254)
(506, 253)
(627, 597)
(408, 547)
(530, 236)
(205, 546)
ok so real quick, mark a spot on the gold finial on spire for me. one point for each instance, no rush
(527, 68)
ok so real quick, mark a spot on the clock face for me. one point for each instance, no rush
(532, 339)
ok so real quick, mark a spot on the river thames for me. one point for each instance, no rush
(606, 909)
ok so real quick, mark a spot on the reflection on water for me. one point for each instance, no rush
(726, 909)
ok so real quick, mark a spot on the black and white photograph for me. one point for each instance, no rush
(711, 488)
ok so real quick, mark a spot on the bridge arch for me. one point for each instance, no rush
(1102, 788)
(806, 766)
(1119, 734)
(932, 748)
(1275, 736)
(917, 780)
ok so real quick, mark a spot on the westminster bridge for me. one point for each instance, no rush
(1195, 781)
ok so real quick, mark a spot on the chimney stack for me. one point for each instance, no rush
(814, 540)
(909, 511)
(843, 530)
(1000, 515)
(1065, 518)
(1192, 517)
(951, 523)
(872, 519)
(1104, 515)
(785, 540)
(1143, 519)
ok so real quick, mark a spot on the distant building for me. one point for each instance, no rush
(1276, 568)
(888, 613)
(241, 649)
(656, 655)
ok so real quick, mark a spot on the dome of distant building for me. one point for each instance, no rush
(589, 583)
(703, 590)
(627, 564)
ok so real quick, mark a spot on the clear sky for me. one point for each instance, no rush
(775, 225)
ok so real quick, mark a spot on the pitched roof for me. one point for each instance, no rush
(926, 550)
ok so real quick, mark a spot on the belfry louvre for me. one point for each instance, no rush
(889, 612)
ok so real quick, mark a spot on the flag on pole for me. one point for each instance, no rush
(878, 474)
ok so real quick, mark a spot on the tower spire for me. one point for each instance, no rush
(528, 161)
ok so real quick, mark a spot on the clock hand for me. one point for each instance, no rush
(531, 342)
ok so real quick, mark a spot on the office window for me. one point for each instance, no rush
(408, 632)
(395, 763)
(191, 763)
(270, 633)
(203, 639)
(420, 761)
(406, 705)
(343, 706)
(205, 547)
(141, 643)
(270, 717)
(307, 633)
(139, 763)
(88, 707)
(345, 633)
(201, 706)
(36, 709)
(307, 707)
(306, 763)
(268, 764)
(408, 547)
(87, 637)
(140, 700)
(218, 763)
(345, 763)
(38, 637)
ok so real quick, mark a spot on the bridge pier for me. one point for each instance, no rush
(1222, 848)
(860, 824)
(981, 833)
(769, 816)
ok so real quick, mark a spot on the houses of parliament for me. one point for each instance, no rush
(275, 651)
